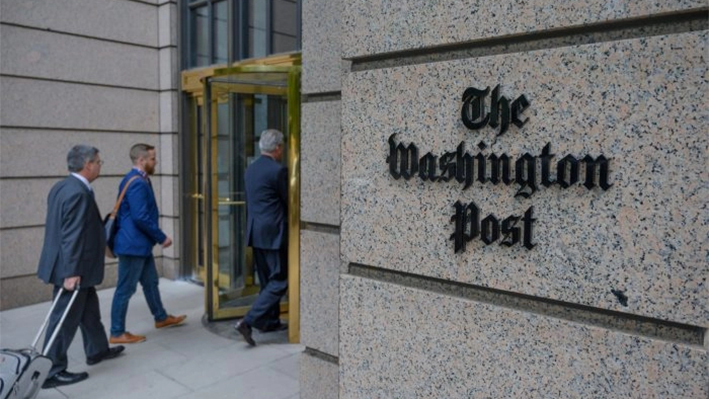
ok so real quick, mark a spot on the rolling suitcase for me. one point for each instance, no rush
(23, 371)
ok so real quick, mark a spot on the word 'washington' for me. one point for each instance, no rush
(465, 168)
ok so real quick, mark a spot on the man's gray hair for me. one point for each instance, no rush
(79, 155)
(270, 139)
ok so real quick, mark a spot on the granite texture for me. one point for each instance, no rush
(170, 226)
(47, 55)
(169, 188)
(318, 378)
(322, 66)
(168, 111)
(319, 290)
(638, 102)
(23, 291)
(24, 201)
(19, 251)
(168, 154)
(28, 289)
(32, 103)
(400, 342)
(383, 26)
(55, 144)
(167, 25)
(320, 161)
(168, 65)
(119, 20)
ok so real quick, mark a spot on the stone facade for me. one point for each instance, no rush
(609, 297)
(109, 81)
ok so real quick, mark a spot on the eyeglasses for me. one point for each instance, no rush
(99, 162)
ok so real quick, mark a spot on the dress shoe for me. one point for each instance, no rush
(170, 321)
(64, 378)
(275, 327)
(109, 353)
(245, 330)
(126, 338)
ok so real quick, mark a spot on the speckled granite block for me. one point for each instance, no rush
(44, 104)
(319, 290)
(23, 291)
(24, 201)
(45, 54)
(322, 66)
(19, 251)
(54, 146)
(406, 343)
(320, 159)
(318, 378)
(118, 20)
(382, 26)
(639, 102)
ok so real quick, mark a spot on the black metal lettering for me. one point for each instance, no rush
(546, 164)
(510, 233)
(528, 232)
(473, 111)
(427, 167)
(464, 166)
(567, 164)
(527, 181)
(466, 219)
(499, 111)
(602, 162)
(482, 176)
(518, 106)
(448, 166)
(489, 230)
(505, 161)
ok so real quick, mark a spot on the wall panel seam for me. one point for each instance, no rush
(321, 355)
(75, 82)
(607, 319)
(59, 32)
(682, 22)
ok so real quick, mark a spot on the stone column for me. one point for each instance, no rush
(320, 264)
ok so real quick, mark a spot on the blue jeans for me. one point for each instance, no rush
(132, 269)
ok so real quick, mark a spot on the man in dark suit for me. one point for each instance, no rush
(73, 256)
(138, 232)
(267, 233)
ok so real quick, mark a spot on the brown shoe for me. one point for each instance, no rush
(126, 338)
(170, 321)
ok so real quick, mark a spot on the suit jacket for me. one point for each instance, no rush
(266, 204)
(138, 218)
(74, 237)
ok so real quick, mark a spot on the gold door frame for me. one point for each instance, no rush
(292, 94)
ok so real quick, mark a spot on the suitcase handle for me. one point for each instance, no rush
(59, 325)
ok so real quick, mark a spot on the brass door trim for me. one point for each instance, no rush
(292, 72)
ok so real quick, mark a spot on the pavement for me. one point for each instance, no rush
(193, 360)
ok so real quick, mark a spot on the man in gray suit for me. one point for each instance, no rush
(73, 256)
(267, 233)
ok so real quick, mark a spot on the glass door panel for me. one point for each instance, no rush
(239, 107)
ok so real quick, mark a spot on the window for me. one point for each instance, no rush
(225, 31)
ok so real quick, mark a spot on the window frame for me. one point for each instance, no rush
(237, 33)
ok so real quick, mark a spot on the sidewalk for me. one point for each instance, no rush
(188, 361)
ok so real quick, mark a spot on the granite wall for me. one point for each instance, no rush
(321, 133)
(102, 73)
(575, 264)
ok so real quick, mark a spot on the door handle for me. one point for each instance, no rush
(197, 196)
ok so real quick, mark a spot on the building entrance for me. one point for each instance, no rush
(236, 105)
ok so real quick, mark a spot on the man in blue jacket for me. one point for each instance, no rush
(267, 233)
(137, 232)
